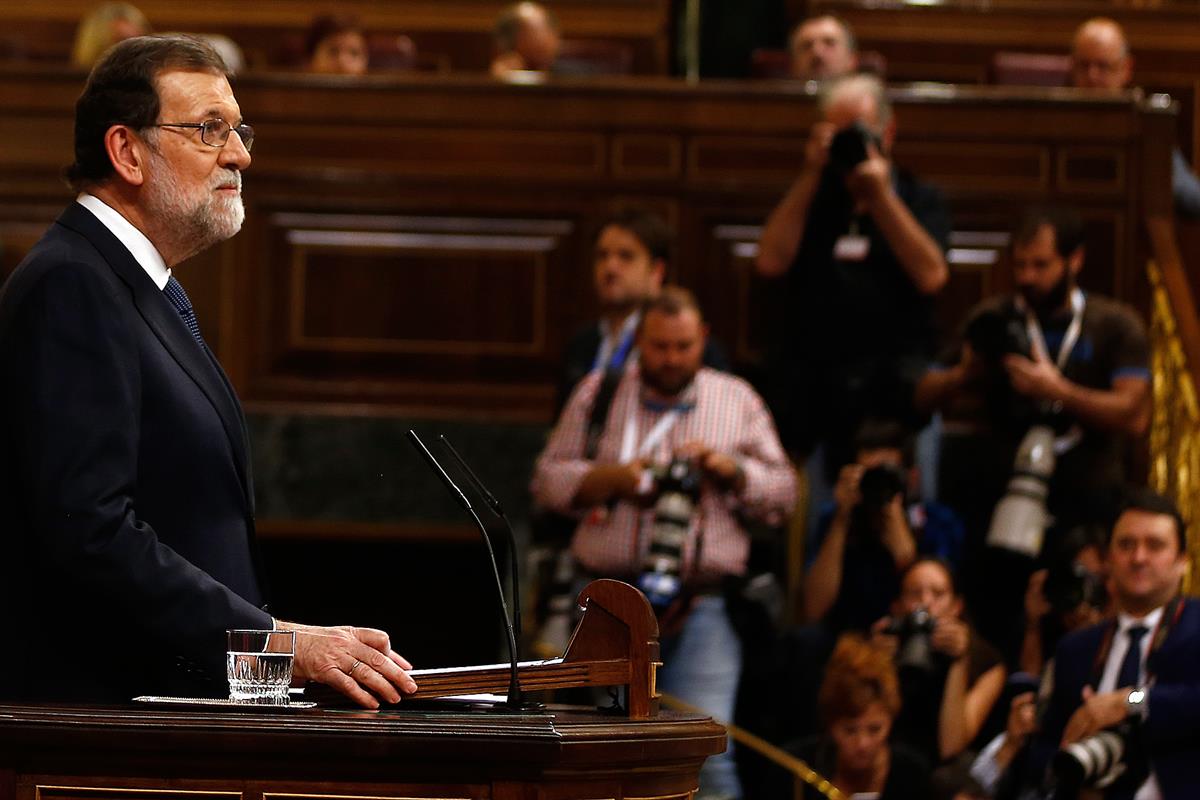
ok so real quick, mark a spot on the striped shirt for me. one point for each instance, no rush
(728, 416)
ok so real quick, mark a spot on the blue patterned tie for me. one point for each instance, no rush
(1131, 667)
(178, 297)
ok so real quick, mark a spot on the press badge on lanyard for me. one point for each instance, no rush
(852, 245)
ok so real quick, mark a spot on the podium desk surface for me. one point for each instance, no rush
(563, 752)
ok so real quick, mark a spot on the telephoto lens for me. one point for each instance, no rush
(678, 490)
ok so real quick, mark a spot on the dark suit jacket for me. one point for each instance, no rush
(1172, 731)
(124, 482)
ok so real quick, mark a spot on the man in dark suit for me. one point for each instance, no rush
(1143, 667)
(124, 478)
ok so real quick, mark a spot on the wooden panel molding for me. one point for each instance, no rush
(421, 244)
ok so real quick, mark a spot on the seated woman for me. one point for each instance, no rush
(949, 676)
(336, 45)
(858, 701)
(103, 27)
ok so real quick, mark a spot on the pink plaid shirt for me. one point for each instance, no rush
(728, 416)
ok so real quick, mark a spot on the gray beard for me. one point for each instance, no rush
(191, 226)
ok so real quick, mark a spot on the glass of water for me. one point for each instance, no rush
(259, 666)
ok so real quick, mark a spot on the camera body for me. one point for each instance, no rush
(996, 333)
(1070, 585)
(878, 485)
(915, 632)
(676, 492)
(848, 148)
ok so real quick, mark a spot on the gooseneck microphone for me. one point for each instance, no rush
(494, 504)
(514, 684)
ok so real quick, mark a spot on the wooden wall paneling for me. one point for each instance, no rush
(457, 32)
(389, 296)
(408, 180)
(984, 167)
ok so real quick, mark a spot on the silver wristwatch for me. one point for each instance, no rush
(1137, 703)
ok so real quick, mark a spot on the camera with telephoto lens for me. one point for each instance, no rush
(1071, 585)
(879, 485)
(676, 492)
(915, 632)
(1095, 762)
(848, 147)
(1020, 519)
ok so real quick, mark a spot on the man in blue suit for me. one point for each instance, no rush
(1143, 667)
(128, 529)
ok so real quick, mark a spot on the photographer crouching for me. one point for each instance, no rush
(1041, 394)
(685, 453)
(872, 531)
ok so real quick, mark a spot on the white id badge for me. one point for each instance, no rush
(852, 247)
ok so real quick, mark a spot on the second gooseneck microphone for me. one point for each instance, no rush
(514, 684)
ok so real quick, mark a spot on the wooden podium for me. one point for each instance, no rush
(78, 753)
(448, 752)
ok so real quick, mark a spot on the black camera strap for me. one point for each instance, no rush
(1171, 613)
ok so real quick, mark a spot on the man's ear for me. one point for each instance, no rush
(128, 152)
(1075, 261)
(658, 271)
(889, 136)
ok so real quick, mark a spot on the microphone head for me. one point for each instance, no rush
(437, 468)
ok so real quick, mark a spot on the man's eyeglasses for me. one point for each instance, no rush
(215, 132)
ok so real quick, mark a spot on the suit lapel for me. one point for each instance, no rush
(165, 322)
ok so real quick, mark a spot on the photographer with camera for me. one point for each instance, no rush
(1050, 361)
(686, 453)
(1067, 594)
(872, 532)
(861, 247)
(949, 676)
(1135, 679)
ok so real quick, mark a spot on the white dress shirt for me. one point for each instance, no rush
(134, 240)
(1112, 667)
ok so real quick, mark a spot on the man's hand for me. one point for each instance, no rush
(816, 149)
(950, 636)
(1037, 378)
(605, 482)
(897, 536)
(871, 180)
(846, 493)
(1036, 604)
(358, 662)
(1022, 718)
(1099, 711)
(1022, 722)
(722, 469)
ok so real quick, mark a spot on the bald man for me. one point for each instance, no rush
(1100, 59)
(1100, 56)
(527, 39)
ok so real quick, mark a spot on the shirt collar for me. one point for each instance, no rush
(1150, 621)
(143, 252)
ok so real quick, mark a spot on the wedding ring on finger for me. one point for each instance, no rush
(356, 665)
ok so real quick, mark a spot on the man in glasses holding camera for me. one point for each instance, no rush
(860, 245)
(124, 472)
